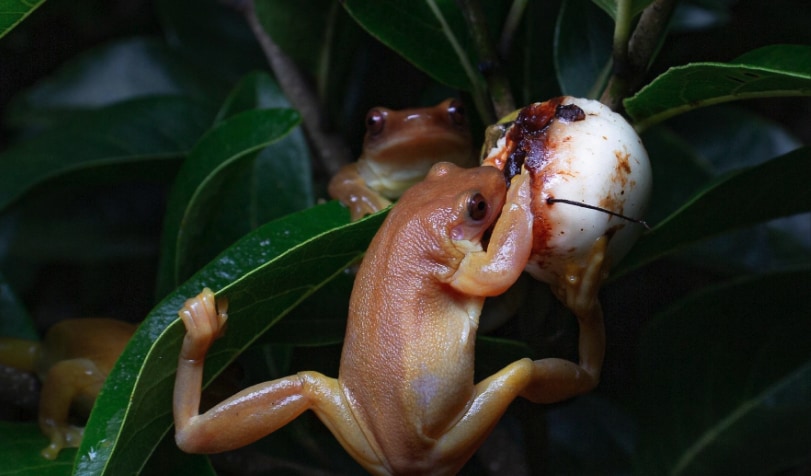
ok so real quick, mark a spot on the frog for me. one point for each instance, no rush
(72, 362)
(405, 400)
(399, 147)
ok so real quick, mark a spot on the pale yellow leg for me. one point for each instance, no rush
(66, 383)
(546, 380)
(558, 379)
(258, 410)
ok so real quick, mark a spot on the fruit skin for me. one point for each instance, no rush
(577, 150)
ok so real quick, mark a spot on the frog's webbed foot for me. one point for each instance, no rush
(553, 379)
(72, 382)
(348, 187)
(61, 436)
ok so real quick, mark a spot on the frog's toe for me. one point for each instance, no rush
(63, 436)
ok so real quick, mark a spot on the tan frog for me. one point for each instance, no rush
(72, 363)
(398, 150)
(405, 401)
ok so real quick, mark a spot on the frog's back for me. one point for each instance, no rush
(98, 339)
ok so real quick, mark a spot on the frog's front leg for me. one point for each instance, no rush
(351, 189)
(492, 272)
(256, 411)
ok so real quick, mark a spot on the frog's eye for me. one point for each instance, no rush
(456, 112)
(375, 121)
(477, 207)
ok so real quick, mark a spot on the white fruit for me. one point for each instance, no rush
(580, 151)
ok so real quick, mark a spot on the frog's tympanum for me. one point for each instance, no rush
(72, 362)
(590, 183)
(405, 401)
(398, 150)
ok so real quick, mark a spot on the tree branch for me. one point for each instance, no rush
(632, 60)
(489, 61)
(330, 149)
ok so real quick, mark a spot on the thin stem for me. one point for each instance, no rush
(478, 91)
(330, 149)
(631, 62)
(489, 63)
(510, 26)
(622, 30)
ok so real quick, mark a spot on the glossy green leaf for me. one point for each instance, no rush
(255, 190)
(417, 26)
(610, 6)
(20, 444)
(12, 12)
(129, 69)
(200, 178)
(582, 48)
(781, 70)
(774, 189)
(264, 276)
(138, 131)
(726, 380)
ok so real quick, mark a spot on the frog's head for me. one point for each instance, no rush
(420, 136)
(454, 205)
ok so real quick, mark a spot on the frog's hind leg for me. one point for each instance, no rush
(256, 411)
(559, 379)
(67, 383)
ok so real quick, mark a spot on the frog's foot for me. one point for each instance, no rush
(61, 436)
(578, 289)
(364, 204)
(204, 317)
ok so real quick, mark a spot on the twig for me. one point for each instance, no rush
(477, 88)
(330, 149)
(632, 59)
(489, 62)
(510, 26)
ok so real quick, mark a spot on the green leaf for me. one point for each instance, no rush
(610, 6)
(726, 380)
(302, 37)
(264, 276)
(12, 12)
(780, 70)
(771, 190)
(419, 35)
(138, 131)
(582, 48)
(130, 68)
(274, 183)
(727, 137)
(200, 178)
(20, 444)
(216, 39)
